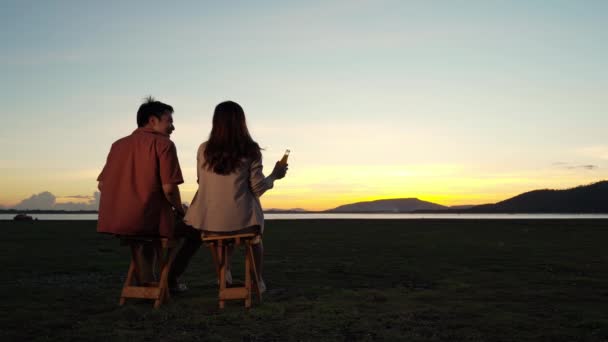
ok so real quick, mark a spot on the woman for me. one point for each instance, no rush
(230, 182)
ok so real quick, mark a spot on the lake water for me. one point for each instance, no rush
(321, 216)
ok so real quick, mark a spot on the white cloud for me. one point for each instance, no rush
(44, 201)
(571, 166)
(47, 201)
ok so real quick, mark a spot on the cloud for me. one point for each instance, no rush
(586, 167)
(78, 197)
(44, 201)
(573, 167)
(47, 201)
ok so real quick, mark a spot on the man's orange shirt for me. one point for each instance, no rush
(132, 198)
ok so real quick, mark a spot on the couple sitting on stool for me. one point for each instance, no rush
(140, 197)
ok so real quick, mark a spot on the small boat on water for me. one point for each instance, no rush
(22, 217)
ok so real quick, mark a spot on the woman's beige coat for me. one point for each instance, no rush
(230, 202)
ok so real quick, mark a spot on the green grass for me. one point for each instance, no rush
(351, 280)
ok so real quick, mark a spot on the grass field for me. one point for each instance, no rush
(343, 280)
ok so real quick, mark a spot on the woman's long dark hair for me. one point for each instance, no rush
(229, 142)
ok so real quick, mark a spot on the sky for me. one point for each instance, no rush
(454, 102)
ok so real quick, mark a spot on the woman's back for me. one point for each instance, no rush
(230, 182)
(228, 202)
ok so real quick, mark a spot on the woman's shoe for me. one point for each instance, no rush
(227, 277)
(262, 286)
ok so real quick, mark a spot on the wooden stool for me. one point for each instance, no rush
(159, 291)
(219, 245)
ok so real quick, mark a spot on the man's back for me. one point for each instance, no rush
(132, 199)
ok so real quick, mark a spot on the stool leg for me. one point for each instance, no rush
(248, 280)
(128, 281)
(256, 277)
(216, 260)
(166, 262)
(158, 250)
(223, 253)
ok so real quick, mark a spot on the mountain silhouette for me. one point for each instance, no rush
(591, 198)
(398, 205)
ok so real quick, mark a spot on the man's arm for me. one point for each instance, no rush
(172, 195)
(171, 176)
(103, 171)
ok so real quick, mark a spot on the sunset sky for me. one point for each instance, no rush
(454, 102)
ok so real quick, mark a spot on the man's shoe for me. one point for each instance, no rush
(178, 288)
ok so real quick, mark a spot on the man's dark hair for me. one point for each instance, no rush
(149, 108)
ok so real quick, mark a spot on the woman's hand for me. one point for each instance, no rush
(279, 170)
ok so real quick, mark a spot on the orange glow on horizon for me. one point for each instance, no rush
(322, 187)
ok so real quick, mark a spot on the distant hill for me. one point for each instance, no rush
(399, 205)
(591, 198)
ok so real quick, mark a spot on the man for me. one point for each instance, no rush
(140, 194)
